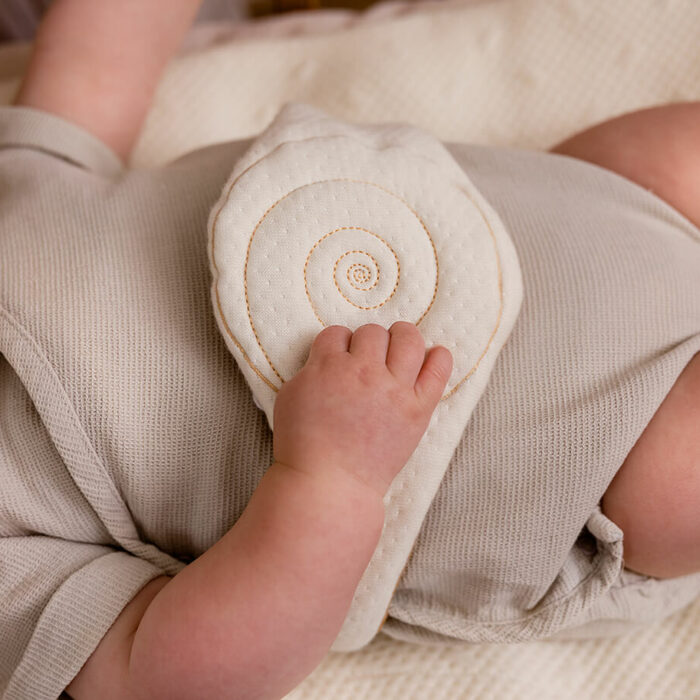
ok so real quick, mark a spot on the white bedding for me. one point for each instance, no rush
(518, 72)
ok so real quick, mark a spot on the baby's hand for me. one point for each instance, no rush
(361, 403)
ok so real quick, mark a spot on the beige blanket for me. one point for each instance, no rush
(518, 72)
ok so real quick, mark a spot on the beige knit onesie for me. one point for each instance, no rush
(130, 443)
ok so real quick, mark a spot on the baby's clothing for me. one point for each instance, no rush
(130, 443)
(610, 317)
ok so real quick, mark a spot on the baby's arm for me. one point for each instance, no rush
(253, 615)
(97, 64)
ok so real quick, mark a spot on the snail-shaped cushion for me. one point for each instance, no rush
(324, 222)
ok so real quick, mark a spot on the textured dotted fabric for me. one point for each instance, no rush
(653, 662)
(507, 72)
(323, 222)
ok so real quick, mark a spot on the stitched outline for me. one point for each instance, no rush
(361, 274)
(217, 275)
(500, 299)
(212, 233)
(358, 273)
(274, 204)
(369, 274)
(352, 228)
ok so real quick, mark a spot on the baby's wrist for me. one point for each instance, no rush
(337, 479)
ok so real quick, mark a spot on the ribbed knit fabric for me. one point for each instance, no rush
(129, 441)
(610, 317)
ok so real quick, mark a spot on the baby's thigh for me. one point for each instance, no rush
(655, 496)
(658, 148)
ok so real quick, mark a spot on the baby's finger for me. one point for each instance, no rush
(434, 375)
(331, 339)
(406, 352)
(370, 342)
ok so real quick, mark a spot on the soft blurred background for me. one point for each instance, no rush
(19, 18)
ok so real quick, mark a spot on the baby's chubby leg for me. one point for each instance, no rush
(655, 496)
(658, 148)
(97, 64)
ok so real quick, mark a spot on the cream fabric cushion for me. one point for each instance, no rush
(321, 223)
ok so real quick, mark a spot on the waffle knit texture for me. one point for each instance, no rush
(130, 443)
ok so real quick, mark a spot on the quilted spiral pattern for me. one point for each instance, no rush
(324, 222)
(345, 230)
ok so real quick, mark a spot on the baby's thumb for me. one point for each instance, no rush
(434, 374)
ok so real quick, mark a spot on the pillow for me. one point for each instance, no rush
(323, 222)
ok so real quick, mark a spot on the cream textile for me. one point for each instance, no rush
(322, 222)
(524, 73)
(510, 72)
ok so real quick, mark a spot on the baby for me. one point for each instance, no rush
(262, 601)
